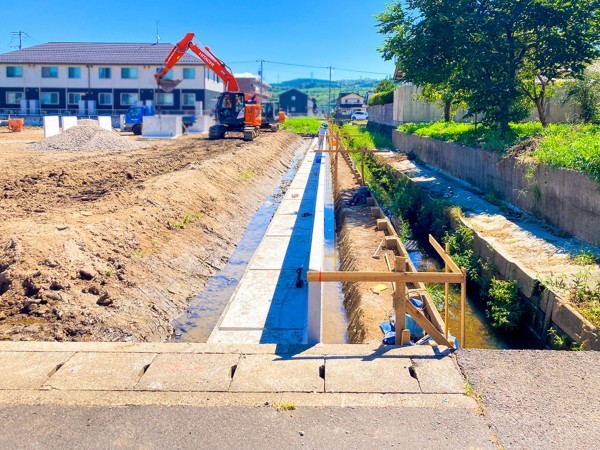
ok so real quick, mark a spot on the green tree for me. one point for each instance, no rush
(500, 54)
(385, 85)
(585, 93)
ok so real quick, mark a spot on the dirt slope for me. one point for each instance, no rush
(110, 245)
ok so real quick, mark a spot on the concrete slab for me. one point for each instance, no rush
(29, 370)
(274, 253)
(264, 373)
(439, 376)
(189, 372)
(286, 225)
(100, 371)
(244, 337)
(291, 207)
(347, 374)
(295, 194)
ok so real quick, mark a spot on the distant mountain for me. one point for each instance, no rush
(319, 89)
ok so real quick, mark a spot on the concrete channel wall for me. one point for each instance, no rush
(566, 199)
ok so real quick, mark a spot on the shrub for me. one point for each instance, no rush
(504, 305)
(381, 98)
(302, 125)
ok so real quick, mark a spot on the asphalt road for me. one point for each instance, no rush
(147, 427)
(538, 399)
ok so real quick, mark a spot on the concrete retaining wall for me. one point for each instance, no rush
(566, 199)
(383, 114)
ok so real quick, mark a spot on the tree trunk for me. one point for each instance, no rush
(447, 108)
(539, 104)
(503, 127)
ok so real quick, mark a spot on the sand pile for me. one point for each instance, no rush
(86, 136)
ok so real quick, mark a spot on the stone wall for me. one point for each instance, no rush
(567, 199)
(382, 114)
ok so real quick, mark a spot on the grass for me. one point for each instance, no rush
(246, 176)
(284, 406)
(584, 258)
(566, 146)
(187, 219)
(302, 125)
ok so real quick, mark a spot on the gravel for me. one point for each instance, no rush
(86, 136)
(538, 398)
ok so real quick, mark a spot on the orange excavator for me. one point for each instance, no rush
(236, 111)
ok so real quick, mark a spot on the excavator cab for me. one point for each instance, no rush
(235, 112)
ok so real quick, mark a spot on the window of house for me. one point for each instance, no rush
(74, 72)
(129, 98)
(104, 72)
(73, 98)
(189, 99)
(293, 98)
(189, 73)
(14, 71)
(14, 98)
(293, 109)
(50, 72)
(168, 75)
(105, 99)
(165, 99)
(49, 98)
(129, 73)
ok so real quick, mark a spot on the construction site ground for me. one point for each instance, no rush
(110, 245)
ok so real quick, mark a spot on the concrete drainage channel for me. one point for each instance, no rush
(261, 295)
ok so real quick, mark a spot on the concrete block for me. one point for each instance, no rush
(267, 373)
(51, 126)
(360, 374)
(101, 371)
(105, 122)
(29, 370)
(439, 376)
(189, 372)
(68, 122)
(162, 126)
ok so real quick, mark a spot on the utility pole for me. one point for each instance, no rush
(261, 78)
(20, 34)
(329, 102)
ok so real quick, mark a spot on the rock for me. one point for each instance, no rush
(51, 295)
(61, 227)
(42, 311)
(51, 262)
(87, 273)
(301, 433)
(59, 285)
(2, 316)
(104, 300)
(94, 290)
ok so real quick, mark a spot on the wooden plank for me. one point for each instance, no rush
(399, 297)
(446, 296)
(352, 151)
(444, 256)
(463, 302)
(410, 277)
(429, 328)
(381, 224)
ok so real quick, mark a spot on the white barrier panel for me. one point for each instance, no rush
(202, 124)
(68, 122)
(51, 126)
(162, 126)
(122, 122)
(105, 122)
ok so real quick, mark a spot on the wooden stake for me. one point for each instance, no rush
(400, 303)
(463, 301)
(446, 293)
(362, 169)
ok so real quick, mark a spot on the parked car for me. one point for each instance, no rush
(360, 115)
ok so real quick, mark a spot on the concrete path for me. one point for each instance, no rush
(267, 307)
(537, 399)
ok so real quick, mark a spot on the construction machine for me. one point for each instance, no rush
(235, 111)
(272, 116)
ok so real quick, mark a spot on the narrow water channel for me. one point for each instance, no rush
(479, 334)
(205, 309)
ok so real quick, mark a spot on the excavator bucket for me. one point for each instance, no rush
(168, 85)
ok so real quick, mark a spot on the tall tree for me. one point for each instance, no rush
(498, 53)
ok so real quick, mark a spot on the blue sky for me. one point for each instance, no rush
(339, 33)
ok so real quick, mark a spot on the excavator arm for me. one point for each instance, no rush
(205, 54)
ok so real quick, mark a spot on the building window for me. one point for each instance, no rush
(49, 98)
(50, 72)
(129, 99)
(14, 71)
(74, 72)
(189, 99)
(293, 109)
(74, 98)
(14, 98)
(105, 99)
(104, 72)
(189, 73)
(129, 73)
(293, 98)
(165, 99)
(168, 75)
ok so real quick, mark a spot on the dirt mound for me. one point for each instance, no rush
(99, 246)
(86, 136)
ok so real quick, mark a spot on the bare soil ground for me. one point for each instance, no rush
(358, 240)
(110, 245)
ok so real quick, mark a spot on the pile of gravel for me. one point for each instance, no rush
(86, 136)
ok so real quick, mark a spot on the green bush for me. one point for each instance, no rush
(381, 98)
(504, 305)
(569, 146)
(302, 125)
